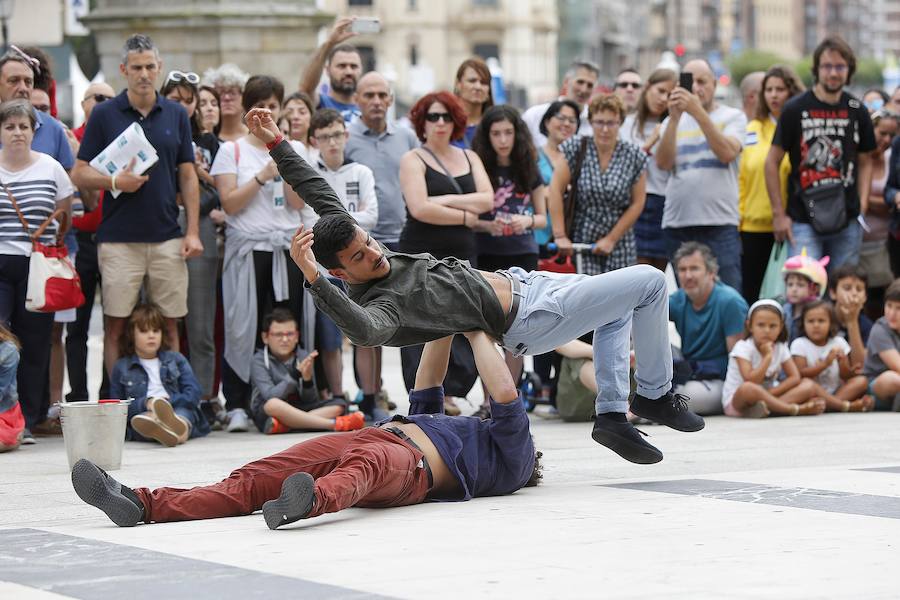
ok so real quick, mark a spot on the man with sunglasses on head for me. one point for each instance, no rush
(139, 236)
(398, 299)
(628, 88)
(579, 84)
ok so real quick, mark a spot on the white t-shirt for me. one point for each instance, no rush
(656, 177)
(38, 190)
(702, 190)
(354, 184)
(155, 387)
(746, 349)
(268, 210)
(830, 378)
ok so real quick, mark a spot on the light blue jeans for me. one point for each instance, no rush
(556, 308)
(842, 247)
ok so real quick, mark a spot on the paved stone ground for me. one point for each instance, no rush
(791, 507)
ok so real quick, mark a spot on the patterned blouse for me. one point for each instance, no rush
(603, 196)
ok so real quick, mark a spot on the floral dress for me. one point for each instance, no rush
(603, 197)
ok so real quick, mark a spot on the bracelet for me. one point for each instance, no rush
(259, 181)
(464, 216)
(271, 145)
(532, 221)
(112, 184)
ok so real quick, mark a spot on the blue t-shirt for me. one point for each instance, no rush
(149, 215)
(508, 201)
(50, 138)
(545, 167)
(488, 458)
(348, 111)
(704, 332)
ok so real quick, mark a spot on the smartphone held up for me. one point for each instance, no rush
(365, 25)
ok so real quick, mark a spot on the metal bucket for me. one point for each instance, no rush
(95, 431)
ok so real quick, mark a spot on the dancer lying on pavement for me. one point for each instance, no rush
(406, 460)
(400, 299)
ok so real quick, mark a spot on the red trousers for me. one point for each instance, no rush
(370, 468)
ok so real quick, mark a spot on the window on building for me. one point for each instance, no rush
(367, 54)
(485, 2)
(486, 51)
(412, 5)
(413, 55)
(359, 2)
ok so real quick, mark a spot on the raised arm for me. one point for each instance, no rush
(304, 180)
(309, 79)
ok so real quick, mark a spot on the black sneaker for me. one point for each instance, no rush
(294, 503)
(97, 488)
(625, 440)
(671, 409)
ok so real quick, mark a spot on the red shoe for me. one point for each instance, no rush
(274, 426)
(350, 422)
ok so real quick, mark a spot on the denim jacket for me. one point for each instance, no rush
(130, 380)
(9, 366)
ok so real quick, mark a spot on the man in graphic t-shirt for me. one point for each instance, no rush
(343, 63)
(829, 136)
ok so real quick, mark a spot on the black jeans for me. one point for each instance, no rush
(756, 248)
(77, 330)
(33, 330)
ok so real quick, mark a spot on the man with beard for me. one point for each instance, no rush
(830, 138)
(344, 66)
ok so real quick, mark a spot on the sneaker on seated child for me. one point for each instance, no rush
(755, 364)
(805, 279)
(284, 396)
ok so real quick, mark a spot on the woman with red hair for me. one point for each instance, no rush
(445, 189)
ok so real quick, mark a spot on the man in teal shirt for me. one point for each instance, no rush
(709, 317)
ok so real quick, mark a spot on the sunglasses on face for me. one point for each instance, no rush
(177, 76)
(628, 84)
(98, 98)
(434, 117)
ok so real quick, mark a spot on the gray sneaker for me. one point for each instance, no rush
(237, 421)
(27, 437)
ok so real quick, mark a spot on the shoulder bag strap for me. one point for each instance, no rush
(446, 171)
(572, 195)
(40, 230)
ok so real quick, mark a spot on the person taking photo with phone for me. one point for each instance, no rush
(700, 147)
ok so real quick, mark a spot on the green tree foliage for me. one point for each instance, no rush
(740, 65)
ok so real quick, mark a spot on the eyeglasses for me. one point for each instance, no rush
(628, 84)
(434, 117)
(229, 92)
(605, 124)
(34, 63)
(98, 98)
(831, 67)
(284, 335)
(332, 138)
(177, 76)
(569, 120)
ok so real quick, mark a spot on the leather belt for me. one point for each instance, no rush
(402, 435)
(515, 289)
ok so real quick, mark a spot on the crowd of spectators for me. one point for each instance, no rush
(201, 299)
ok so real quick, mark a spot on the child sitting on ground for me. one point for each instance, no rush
(755, 364)
(165, 395)
(847, 289)
(882, 366)
(821, 355)
(805, 280)
(12, 422)
(284, 393)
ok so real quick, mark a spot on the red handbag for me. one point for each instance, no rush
(53, 282)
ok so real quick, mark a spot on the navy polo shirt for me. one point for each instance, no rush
(150, 215)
